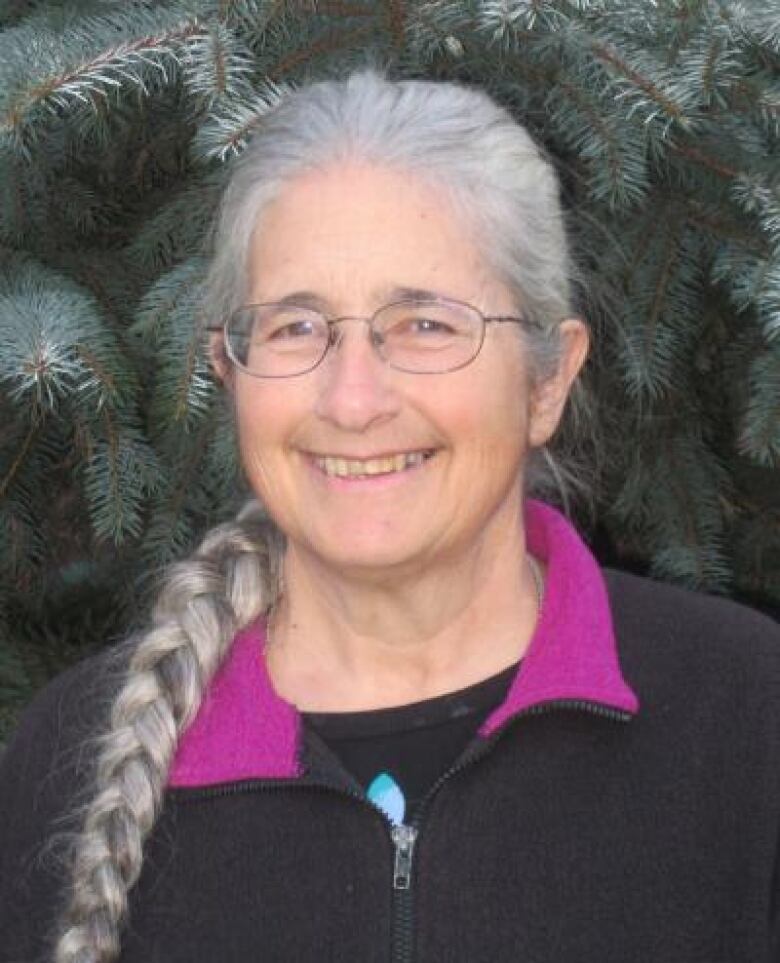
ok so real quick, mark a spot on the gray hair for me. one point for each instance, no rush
(458, 140)
(451, 136)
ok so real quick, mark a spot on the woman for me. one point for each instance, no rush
(401, 721)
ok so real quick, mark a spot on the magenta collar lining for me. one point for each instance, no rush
(244, 730)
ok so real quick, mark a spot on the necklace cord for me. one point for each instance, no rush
(536, 572)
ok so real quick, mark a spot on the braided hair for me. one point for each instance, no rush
(229, 580)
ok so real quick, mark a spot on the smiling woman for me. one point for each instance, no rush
(387, 714)
(442, 520)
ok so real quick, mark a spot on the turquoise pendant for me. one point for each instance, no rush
(385, 793)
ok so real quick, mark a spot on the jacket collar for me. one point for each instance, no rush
(244, 730)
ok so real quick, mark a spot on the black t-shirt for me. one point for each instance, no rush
(397, 754)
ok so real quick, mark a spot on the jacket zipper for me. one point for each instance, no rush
(404, 836)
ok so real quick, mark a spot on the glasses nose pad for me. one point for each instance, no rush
(377, 338)
(336, 335)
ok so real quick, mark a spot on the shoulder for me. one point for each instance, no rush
(705, 648)
(645, 607)
(64, 711)
(45, 760)
(44, 772)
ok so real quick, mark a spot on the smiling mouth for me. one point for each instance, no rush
(337, 467)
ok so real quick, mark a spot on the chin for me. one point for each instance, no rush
(371, 559)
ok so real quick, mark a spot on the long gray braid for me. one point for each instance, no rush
(230, 579)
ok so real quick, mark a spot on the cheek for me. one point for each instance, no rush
(490, 412)
(255, 462)
(263, 423)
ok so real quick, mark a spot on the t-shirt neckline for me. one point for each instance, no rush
(439, 710)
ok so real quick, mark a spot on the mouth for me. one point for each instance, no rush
(336, 466)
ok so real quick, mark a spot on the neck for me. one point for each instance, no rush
(342, 643)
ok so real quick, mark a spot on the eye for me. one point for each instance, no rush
(291, 330)
(426, 325)
(423, 328)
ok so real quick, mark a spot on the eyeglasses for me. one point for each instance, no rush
(280, 340)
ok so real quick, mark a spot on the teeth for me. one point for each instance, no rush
(352, 467)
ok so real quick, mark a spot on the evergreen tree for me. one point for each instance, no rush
(118, 123)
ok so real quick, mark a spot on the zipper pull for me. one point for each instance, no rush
(403, 839)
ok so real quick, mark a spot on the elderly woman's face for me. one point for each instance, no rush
(352, 236)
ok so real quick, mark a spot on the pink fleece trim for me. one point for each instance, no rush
(244, 730)
(572, 653)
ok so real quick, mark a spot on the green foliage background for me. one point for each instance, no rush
(118, 123)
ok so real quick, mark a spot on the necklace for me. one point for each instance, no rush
(536, 572)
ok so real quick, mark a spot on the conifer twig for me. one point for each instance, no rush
(652, 91)
(52, 90)
(16, 464)
(327, 44)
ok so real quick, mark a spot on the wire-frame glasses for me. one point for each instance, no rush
(280, 340)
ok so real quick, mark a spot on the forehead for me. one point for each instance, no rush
(354, 234)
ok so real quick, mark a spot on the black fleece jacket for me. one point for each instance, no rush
(571, 833)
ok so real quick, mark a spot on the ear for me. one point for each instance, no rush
(548, 397)
(219, 360)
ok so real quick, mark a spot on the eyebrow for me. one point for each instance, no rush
(309, 299)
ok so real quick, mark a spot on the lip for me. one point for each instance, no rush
(367, 482)
(389, 453)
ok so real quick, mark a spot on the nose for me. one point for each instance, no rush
(356, 390)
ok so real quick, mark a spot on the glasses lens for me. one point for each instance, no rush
(428, 336)
(276, 340)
